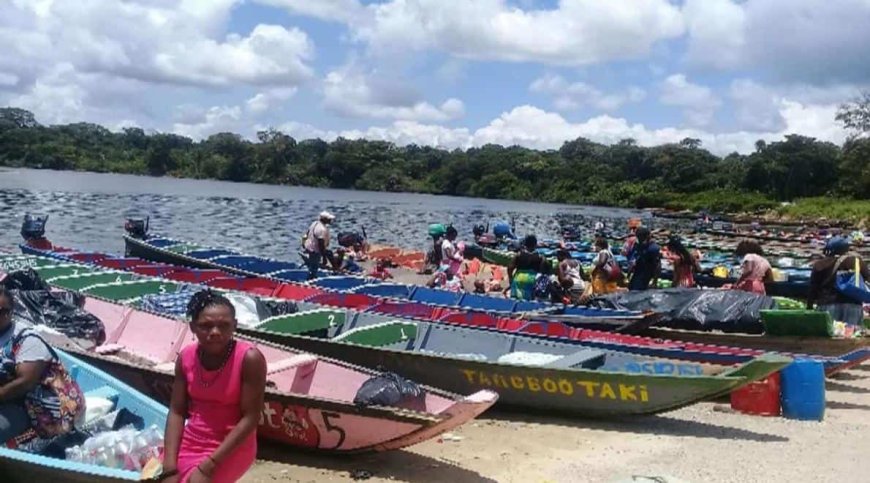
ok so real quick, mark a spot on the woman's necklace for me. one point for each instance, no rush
(220, 369)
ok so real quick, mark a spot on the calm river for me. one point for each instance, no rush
(87, 211)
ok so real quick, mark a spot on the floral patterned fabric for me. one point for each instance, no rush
(55, 403)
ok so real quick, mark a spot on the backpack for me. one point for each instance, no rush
(56, 402)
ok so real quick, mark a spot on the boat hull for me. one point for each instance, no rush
(306, 422)
(584, 393)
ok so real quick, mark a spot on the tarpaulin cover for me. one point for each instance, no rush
(725, 310)
(36, 305)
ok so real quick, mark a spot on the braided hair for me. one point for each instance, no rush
(207, 298)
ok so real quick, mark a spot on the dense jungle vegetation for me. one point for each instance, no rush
(681, 175)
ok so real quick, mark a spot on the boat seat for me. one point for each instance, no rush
(297, 361)
(165, 367)
(109, 349)
(586, 358)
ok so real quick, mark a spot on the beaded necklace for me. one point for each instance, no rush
(220, 369)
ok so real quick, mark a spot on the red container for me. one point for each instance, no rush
(760, 398)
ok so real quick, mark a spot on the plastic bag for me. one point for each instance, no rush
(59, 311)
(386, 389)
(26, 279)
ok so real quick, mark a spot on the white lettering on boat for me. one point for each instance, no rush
(566, 387)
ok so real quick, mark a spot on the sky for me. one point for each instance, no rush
(447, 73)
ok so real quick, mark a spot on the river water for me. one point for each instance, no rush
(87, 211)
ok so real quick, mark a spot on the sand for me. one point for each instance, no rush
(706, 442)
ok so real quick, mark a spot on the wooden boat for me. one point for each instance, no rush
(174, 252)
(119, 286)
(565, 378)
(574, 379)
(309, 399)
(826, 346)
(19, 466)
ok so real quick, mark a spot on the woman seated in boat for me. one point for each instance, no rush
(571, 277)
(218, 391)
(606, 273)
(523, 270)
(36, 392)
(685, 264)
(755, 270)
(823, 282)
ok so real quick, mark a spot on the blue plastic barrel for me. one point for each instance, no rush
(803, 390)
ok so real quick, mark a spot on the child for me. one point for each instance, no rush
(380, 271)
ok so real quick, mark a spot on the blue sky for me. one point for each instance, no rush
(451, 73)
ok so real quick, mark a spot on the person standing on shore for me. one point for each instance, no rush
(648, 262)
(824, 294)
(217, 399)
(317, 244)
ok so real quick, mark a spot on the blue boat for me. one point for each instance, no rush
(17, 465)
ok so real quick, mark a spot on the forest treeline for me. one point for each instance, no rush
(681, 175)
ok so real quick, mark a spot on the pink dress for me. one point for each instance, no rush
(213, 412)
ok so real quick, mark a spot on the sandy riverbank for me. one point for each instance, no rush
(702, 443)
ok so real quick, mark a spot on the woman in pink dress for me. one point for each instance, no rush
(755, 270)
(685, 263)
(218, 391)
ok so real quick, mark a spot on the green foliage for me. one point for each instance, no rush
(855, 211)
(680, 175)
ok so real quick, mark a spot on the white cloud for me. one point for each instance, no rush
(214, 120)
(575, 32)
(172, 41)
(8, 80)
(698, 102)
(351, 92)
(345, 11)
(717, 32)
(536, 128)
(265, 101)
(64, 95)
(757, 107)
(571, 96)
(809, 41)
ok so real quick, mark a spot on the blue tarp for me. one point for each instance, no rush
(209, 253)
(270, 266)
(236, 261)
(162, 242)
(487, 304)
(437, 297)
(392, 290)
(291, 275)
(339, 283)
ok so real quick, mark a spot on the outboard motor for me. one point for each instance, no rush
(137, 227)
(478, 230)
(33, 231)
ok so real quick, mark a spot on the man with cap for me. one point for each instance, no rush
(823, 282)
(316, 244)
